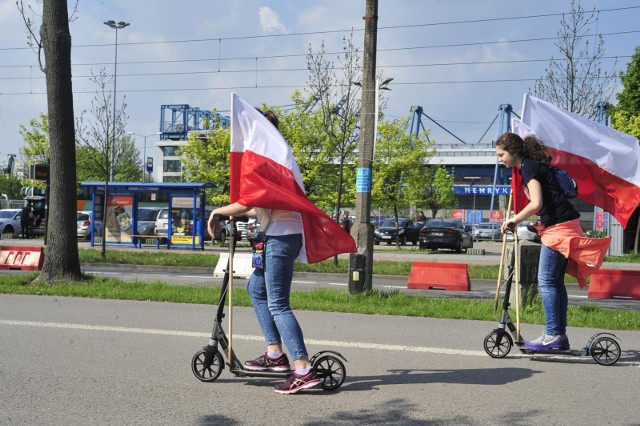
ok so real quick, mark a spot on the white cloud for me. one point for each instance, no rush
(270, 21)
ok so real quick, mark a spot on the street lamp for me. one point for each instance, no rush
(116, 26)
(144, 148)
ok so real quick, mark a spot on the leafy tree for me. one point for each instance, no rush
(626, 115)
(10, 185)
(575, 81)
(207, 160)
(435, 189)
(36, 141)
(303, 128)
(397, 167)
(36, 147)
(62, 260)
(629, 98)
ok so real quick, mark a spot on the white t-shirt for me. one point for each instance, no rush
(279, 222)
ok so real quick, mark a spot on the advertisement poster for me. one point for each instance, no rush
(496, 216)
(118, 220)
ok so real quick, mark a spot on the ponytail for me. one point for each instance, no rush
(535, 149)
(531, 146)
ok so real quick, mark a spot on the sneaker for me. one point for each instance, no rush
(265, 363)
(296, 382)
(549, 343)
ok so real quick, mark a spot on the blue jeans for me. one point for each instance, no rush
(551, 269)
(269, 290)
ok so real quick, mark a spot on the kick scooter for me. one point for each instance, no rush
(602, 347)
(207, 364)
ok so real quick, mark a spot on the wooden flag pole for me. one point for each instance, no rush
(504, 249)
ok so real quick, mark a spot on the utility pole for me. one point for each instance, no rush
(364, 229)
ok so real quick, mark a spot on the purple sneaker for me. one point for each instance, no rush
(263, 363)
(549, 343)
(296, 382)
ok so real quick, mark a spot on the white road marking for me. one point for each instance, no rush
(331, 343)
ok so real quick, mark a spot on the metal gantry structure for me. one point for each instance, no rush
(176, 121)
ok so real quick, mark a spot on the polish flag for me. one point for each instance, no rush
(265, 174)
(604, 162)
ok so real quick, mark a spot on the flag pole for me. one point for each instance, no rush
(517, 280)
(232, 244)
(504, 249)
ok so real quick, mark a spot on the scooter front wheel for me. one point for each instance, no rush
(498, 343)
(605, 350)
(331, 371)
(207, 371)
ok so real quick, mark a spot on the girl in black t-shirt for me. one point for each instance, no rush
(546, 199)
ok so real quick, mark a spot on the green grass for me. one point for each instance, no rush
(372, 303)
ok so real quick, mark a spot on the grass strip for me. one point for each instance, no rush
(371, 303)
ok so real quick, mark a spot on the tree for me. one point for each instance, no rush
(626, 115)
(10, 185)
(36, 141)
(36, 147)
(576, 81)
(629, 97)
(62, 260)
(207, 160)
(94, 136)
(336, 98)
(303, 127)
(399, 160)
(435, 189)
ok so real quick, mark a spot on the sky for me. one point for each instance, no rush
(457, 59)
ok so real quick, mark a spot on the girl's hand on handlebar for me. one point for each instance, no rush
(508, 226)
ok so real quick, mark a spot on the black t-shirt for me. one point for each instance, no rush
(555, 206)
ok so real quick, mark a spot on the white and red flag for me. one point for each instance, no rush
(265, 174)
(604, 162)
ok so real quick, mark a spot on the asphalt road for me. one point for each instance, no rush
(71, 361)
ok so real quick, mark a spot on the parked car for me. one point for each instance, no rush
(408, 231)
(486, 231)
(10, 222)
(524, 233)
(146, 221)
(450, 234)
(178, 214)
(83, 220)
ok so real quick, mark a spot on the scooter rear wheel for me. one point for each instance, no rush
(331, 371)
(498, 343)
(605, 350)
(204, 372)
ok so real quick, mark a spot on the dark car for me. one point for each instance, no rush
(450, 234)
(408, 231)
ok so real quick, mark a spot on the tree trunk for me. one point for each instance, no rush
(61, 260)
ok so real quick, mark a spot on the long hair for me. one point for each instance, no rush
(531, 146)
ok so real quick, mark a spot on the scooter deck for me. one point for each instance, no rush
(571, 352)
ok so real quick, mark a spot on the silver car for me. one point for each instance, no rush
(487, 231)
(10, 222)
(524, 233)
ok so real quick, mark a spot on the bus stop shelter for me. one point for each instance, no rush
(184, 212)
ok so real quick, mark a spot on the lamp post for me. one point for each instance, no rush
(144, 149)
(116, 26)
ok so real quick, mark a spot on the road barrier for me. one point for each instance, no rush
(610, 283)
(21, 257)
(445, 276)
